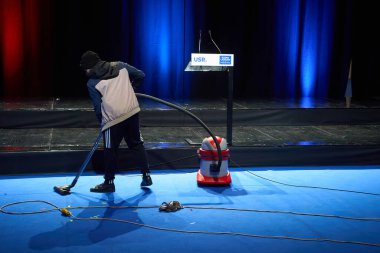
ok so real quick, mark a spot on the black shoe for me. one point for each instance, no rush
(103, 188)
(146, 181)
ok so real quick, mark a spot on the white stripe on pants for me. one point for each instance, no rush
(107, 136)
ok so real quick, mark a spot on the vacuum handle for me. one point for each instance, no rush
(88, 158)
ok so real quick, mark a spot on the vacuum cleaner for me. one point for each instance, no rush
(208, 173)
(65, 190)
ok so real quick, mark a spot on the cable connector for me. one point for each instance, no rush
(65, 212)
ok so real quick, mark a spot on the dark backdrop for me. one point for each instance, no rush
(283, 48)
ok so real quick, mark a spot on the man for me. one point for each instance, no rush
(110, 87)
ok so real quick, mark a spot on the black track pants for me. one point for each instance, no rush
(129, 130)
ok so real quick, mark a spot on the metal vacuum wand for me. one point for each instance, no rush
(65, 189)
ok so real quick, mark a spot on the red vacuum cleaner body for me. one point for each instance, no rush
(208, 155)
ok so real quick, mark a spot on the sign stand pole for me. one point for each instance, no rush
(230, 95)
(217, 62)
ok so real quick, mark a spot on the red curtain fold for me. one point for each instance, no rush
(12, 46)
(25, 53)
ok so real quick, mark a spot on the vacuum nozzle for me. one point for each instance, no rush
(62, 190)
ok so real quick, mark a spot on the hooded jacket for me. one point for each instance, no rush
(111, 90)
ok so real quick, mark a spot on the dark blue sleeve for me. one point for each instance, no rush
(96, 98)
(135, 75)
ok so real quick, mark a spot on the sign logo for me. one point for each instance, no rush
(225, 60)
(199, 59)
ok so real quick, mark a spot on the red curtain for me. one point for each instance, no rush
(25, 55)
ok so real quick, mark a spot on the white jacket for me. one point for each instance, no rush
(119, 100)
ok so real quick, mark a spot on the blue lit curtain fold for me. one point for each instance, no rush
(304, 42)
(159, 45)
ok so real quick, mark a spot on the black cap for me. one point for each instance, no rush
(89, 60)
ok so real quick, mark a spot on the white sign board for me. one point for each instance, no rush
(212, 60)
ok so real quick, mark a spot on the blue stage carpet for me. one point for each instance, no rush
(52, 232)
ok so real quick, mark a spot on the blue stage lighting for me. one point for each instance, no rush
(304, 41)
(317, 42)
(159, 38)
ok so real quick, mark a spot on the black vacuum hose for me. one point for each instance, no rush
(65, 189)
(191, 115)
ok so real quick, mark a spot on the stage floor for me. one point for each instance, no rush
(13, 140)
(266, 213)
(194, 103)
(256, 123)
(54, 135)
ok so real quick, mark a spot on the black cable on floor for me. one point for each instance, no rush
(307, 186)
(67, 213)
(233, 233)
